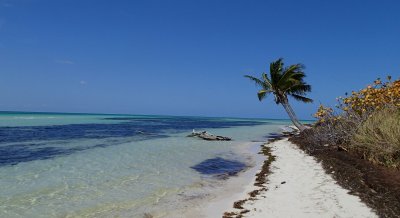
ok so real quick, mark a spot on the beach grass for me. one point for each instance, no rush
(378, 138)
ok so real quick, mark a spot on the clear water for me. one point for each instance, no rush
(82, 165)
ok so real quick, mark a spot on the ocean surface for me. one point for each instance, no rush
(88, 165)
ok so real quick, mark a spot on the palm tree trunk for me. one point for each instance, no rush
(292, 115)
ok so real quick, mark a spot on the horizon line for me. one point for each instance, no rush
(125, 114)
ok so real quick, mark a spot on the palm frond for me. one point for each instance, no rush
(256, 80)
(300, 88)
(276, 65)
(296, 67)
(262, 94)
(267, 81)
(290, 78)
(275, 70)
(301, 98)
(283, 81)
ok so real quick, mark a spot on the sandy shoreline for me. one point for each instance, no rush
(296, 187)
(230, 190)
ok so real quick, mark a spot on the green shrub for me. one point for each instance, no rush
(378, 138)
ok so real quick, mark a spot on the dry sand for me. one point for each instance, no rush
(298, 187)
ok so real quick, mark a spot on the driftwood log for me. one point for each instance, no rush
(209, 137)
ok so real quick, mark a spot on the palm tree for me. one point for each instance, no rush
(283, 82)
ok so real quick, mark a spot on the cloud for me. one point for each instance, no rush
(82, 82)
(64, 62)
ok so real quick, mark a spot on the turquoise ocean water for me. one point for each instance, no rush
(87, 165)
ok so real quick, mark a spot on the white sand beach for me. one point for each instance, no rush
(297, 187)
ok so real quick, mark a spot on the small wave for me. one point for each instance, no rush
(24, 118)
(31, 117)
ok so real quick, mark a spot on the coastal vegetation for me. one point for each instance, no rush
(281, 83)
(358, 142)
(367, 123)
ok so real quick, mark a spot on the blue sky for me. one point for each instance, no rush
(187, 57)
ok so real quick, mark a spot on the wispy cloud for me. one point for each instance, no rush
(83, 82)
(64, 62)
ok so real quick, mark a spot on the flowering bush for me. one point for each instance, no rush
(363, 103)
(323, 113)
(373, 97)
(368, 124)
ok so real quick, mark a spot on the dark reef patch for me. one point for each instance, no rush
(27, 143)
(219, 166)
(129, 127)
(15, 153)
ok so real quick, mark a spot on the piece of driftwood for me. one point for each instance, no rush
(209, 137)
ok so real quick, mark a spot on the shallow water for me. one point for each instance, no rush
(68, 165)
